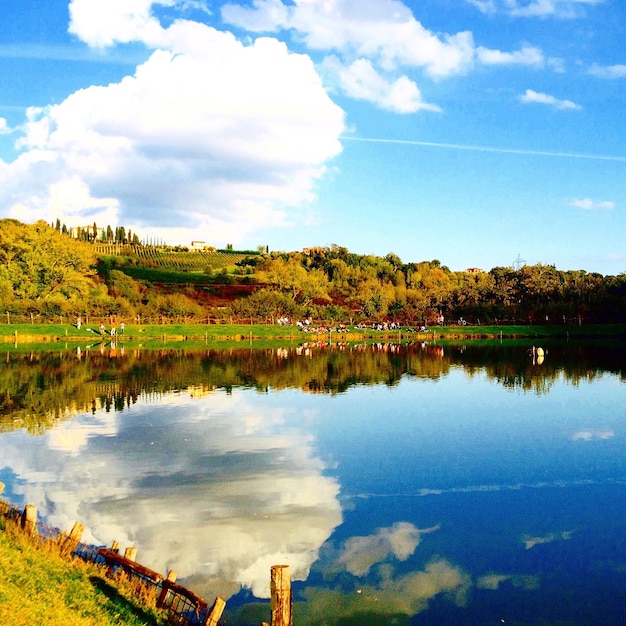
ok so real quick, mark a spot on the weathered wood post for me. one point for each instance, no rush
(281, 600)
(29, 519)
(162, 600)
(72, 540)
(130, 553)
(216, 612)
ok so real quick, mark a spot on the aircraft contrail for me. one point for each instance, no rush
(458, 146)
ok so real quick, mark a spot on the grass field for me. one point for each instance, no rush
(35, 336)
(41, 588)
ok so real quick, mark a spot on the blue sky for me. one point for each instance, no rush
(470, 131)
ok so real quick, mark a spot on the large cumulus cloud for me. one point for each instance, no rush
(208, 135)
(217, 489)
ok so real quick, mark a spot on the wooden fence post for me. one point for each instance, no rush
(162, 600)
(130, 553)
(29, 519)
(216, 612)
(73, 539)
(281, 600)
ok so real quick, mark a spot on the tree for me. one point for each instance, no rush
(42, 265)
(290, 276)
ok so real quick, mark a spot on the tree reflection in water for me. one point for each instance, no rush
(354, 463)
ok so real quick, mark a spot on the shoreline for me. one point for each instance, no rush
(54, 334)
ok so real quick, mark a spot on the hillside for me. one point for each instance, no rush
(173, 258)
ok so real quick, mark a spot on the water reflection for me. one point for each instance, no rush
(414, 484)
(36, 389)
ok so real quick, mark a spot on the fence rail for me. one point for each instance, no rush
(184, 607)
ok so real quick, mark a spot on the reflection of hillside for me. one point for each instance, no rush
(38, 389)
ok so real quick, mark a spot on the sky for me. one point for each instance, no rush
(475, 132)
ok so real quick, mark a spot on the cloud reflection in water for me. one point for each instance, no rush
(207, 487)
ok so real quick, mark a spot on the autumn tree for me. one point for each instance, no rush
(290, 276)
(41, 267)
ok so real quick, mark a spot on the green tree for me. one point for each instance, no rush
(41, 265)
(292, 277)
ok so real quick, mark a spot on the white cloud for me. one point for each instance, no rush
(362, 81)
(608, 71)
(103, 23)
(264, 16)
(384, 31)
(528, 55)
(591, 205)
(535, 8)
(400, 541)
(372, 45)
(209, 135)
(593, 433)
(175, 467)
(535, 97)
(407, 594)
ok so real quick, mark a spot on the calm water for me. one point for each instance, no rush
(404, 485)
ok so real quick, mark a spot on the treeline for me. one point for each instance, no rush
(354, 286)
(98, 234)
(45, 274)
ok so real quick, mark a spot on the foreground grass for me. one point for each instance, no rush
(39, 587)
(154, 335)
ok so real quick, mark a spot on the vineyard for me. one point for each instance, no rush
(174, 259)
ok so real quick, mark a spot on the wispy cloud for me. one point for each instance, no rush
(399, 541)
(593, 433)
(362, 81)
(528, 55)
(536, 97)
(528, 582)
(475, 148)
(567, 9)
(591, 205)
(79, 54)
(531, 542)
(608, 71)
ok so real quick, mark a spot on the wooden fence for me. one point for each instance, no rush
(185, 607)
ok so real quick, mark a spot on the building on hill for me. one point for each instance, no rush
(86, 233)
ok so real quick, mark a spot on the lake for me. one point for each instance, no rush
(465, 484)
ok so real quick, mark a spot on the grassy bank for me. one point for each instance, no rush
(39, 587)
(42, 335)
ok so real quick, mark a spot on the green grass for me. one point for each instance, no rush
(34, 336)
(134, 259)
(168, 276)
(39, 587)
